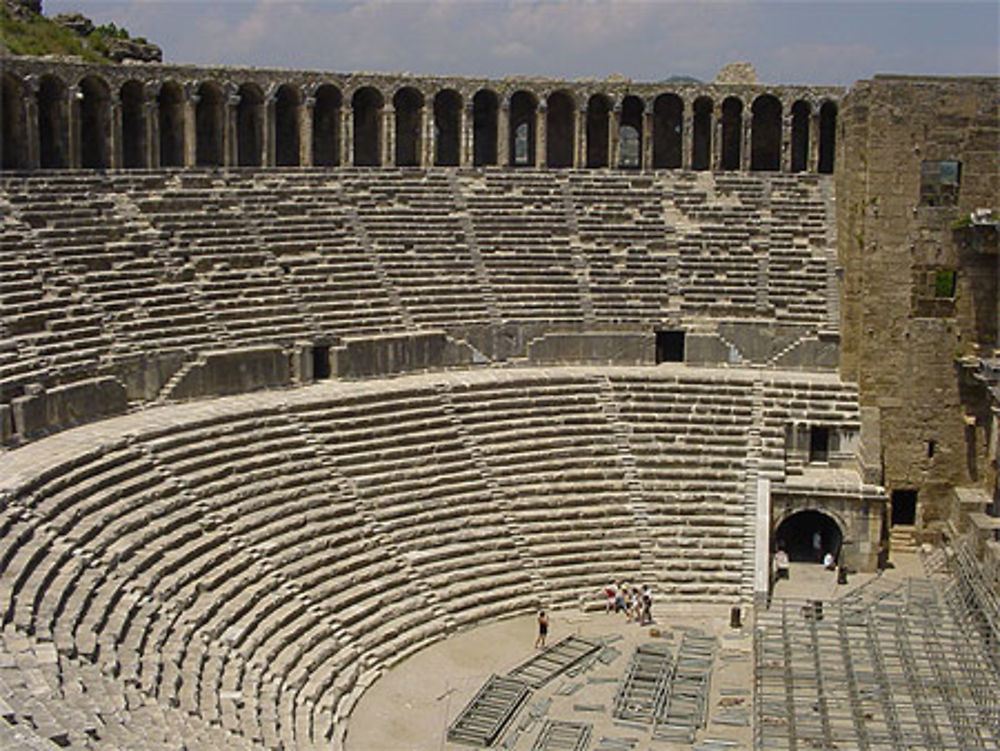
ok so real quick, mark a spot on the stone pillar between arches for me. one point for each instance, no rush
(116, 136)
(190, 130)
(466, 118)
(503, 135)
(541, 130)
(73, 127)
(387, 123)
(306, 131)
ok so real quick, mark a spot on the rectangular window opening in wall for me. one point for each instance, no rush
(944, 283)
(939, 180)
(819, 443)
(669, 346)
(931, 448)
(321, 362)
(904, 507)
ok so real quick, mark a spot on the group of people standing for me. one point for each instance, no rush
(635, 602)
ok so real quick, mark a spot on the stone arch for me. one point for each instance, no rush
(668, 131)
(560, 129)
(53, 123)
(367, 106)
(485, 109)
(14, 145)
(170, 106)
(701, 135)
(827, 136)
(795, 534)
(523, 107)
(408, 104)
(250, 126)
(287, 103)
(801, 114)
(95, 123)
(133, 98)
(732, 133)
(765, 133)
(447, 127)
(208, 119)
(630, 133)
(598, 109)
(326, 126)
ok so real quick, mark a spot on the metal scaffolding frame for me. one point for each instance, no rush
(892, 668)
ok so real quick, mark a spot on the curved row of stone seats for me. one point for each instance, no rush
(521, 228)
(415, 232)
(50, 701)
(553, 460)
(690, 438)
(628, 245)
(798, 264)
(108, 269)
(255, 562)
(790, 403)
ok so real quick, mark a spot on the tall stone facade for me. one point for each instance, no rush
(918, 182)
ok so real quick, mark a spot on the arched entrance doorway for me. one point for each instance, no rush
(797, 536)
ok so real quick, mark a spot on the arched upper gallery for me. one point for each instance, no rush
(165, 117)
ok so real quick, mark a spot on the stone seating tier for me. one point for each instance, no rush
(248, 567)
(247, 257)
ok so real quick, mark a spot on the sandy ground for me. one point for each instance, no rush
(411, 706)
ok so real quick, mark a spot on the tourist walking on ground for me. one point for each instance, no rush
(647, 607)
(543, 629)
(611, 595)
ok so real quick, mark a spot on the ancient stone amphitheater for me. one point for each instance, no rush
(301, 373)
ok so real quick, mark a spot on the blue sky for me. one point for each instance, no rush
(811, 41)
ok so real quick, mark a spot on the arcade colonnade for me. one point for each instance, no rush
(65, 119)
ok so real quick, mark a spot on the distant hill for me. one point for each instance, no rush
(25, 31)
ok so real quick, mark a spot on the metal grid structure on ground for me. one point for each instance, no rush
(486, 716)
(685, 702)
(561, 735)
(644, 683)
(541, 668)
(890, 669)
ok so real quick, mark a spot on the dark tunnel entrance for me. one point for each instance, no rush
(797, 536)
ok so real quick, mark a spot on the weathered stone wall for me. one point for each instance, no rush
(900, 340)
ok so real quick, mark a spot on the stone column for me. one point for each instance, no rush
(541, 129)
(503, 133)
(428, 137)
(150, 136)
(267, 156)
(466, 120)
(762, 541)
(746, 119)
(388, 126)
(347, 135)
(306, 131)
(31, 127)
(191, 129)
(580, 145)
(716, 150)
(614, 126)
(74, 97)
(153, 123)
(646, 155)
(230, 146)
(687, 136)
(116, 136)
(786, 140)
(812, 160)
